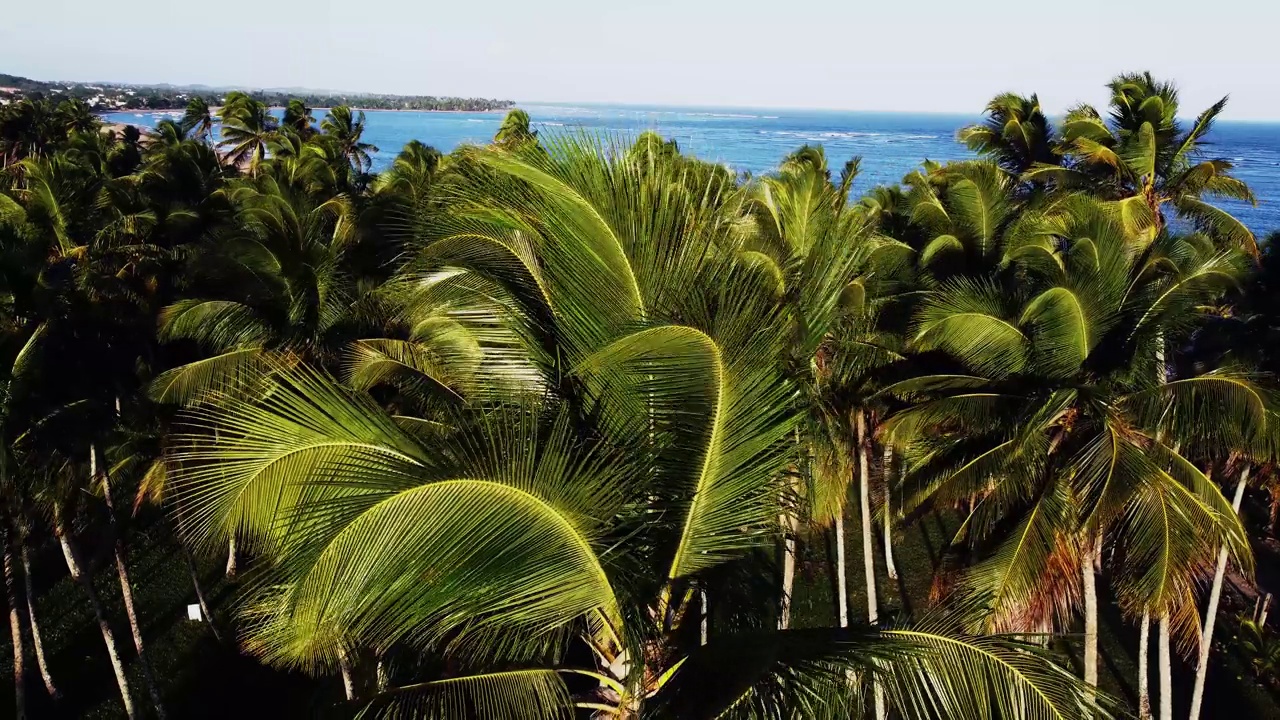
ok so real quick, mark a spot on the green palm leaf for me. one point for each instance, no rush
(504, 695)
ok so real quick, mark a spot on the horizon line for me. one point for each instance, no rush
(587, 103)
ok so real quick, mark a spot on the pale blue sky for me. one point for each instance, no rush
(927, 55)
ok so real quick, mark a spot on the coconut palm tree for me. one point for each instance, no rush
(298, 117)
(641, 473)
(83, 278)
(44, 269)
(197, 120)
(1016, 134)
(276, 285)
(1050, 422)
(14, 495)
(807, 238)
(38, 128)
(1141, 155)
(515, 131)
(247, 130)
(346, 128)
(953, 220)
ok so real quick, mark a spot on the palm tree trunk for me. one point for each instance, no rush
(1275, 512)
(887, 469)
(108, 638)
(36, 639)
(15, 628)
(1090, 616)
(864, 504)
(348, 677)
(204, 604)
(790, 528)
(868, 554)
(359, 672)
(126, 586)
(788, 569)
(1211, 612)
(1166, 671)
(842, 581)
(704, 619)
(1144, 651)
(231, 557)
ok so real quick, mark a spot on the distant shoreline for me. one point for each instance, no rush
(214, 110)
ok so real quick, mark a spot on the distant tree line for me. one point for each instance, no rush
(139, 97)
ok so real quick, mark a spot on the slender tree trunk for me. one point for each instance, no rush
(1275, 511)
(788, 569)
(868, 540)
(204, 604)
(842, 581)
(231, 557)
(194, 571)
(98, 471)
(359, 673)
(1144, 652)
(864, 505)
(887, 463)
(348, 676)
(790, 528)
(1211, 612)
(36, 638)
(1166, 671)
(384, 676)
(15, 628)
(704, 619)
(1090, 615)
(108, 638)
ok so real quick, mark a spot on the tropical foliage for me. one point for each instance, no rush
(534, 429)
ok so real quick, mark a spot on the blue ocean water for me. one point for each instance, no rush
(890, 144)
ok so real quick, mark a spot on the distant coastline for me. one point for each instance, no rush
(177, 112)
(121, 97)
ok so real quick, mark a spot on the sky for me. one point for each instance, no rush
(920, 56)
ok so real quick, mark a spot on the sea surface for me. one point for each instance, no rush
(754, 140)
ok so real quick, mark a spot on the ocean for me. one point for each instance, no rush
(754, 140)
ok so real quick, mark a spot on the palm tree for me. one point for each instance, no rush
(81, 276)
(953, 220)
(38, 128)
(1049, 420)
(515, 133)
(1016, 134)
(1142, 156)
(247, 129)
(197, 120)
(346, 128)
(641, 472)
(806, 238)
(298, 117)
(413, 171)
(75, 116)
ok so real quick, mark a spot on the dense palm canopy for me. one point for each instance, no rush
(1139, 153)
(1051, 410)
(641, 467)
(533, 429)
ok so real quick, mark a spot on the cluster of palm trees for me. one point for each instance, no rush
(533, 429)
